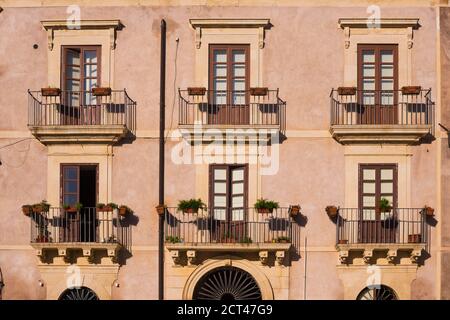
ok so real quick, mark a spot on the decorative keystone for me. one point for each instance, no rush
(191, 257)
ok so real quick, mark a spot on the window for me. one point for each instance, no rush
(229, 84)
(376, 181)
(80, 73)
(377, 80)
(228, 199)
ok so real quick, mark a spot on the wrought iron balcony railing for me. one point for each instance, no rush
(399, 226)
(87, 225)
(81, 108)
(247, 107)
(228, 225)
(382, 107)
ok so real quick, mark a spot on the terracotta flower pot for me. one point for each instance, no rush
(101, 91)
(429, 211)
(264, 210)
(411, 89)
(331, 211)
(104, 209)
(342, 241)
(259, 91)
(123, 211)
(50, 92)
(27, 210)
(196, 91)
(294, 210)
(160, 209)
(191, 210)
(346, 91)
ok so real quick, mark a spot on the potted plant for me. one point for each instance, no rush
(43, 238)
(429, 211)
(414, 238)
(342, 241)
(283, 239)
(101, 91)
(112, 206)
(332, 211)
(259, 91)
(265, 206)
(411, 89)
(101, 207)
(346, 91)
(294, 210)
(196, 91)
(27, 209)
(43, 206)
(191, 205)
(384, 205)
(72, 209)
(160, 209)
(173, 239)
(50, 92)
(246, 240)
(124, 210)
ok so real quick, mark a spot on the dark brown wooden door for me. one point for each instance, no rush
(377, 181)
(228, 202)
(79, 185)
(80, 72)
(229, 84)
(377, 83)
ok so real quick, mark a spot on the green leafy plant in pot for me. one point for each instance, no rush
(265, 206)
(191, 205)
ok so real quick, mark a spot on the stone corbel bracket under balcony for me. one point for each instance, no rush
(79, 253)
(191, 254)
(404, 134)
(380, 254)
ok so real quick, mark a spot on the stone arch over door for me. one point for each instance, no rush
(228, 261)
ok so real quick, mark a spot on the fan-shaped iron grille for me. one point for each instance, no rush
(377, 293)
(227, 283)
(81, 293)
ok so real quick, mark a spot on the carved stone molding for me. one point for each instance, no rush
(264, 257)
(175, 254)
(200, 24)
(279, 257)
(191, 257)
(391, 255)
(112, 25)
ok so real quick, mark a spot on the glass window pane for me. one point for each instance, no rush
(239, 70)
(220, 214)
(238, 98)
(238, 188)
(70, 199)
(387, 174)
(369, 214)
(237, 214)
(90, 70)
(387, 56)
(220, 56)
(368, 84)
(389, 198)
(387, 187)
(237, 202)
(238, 56)
(239, 85)
(73, 72)
(369, 70)
(368, 98)
(73, 85)
(220, 85)
(387, 84)
(89, 84)
(369, 201)
(220, 201)
(368, 56)
(73, 56)
(70, 173)
(238, 175)
(220, 187)
(387, 98)
(369, 174)
(220, 70)
(387, 70)
(220, 98)
(220, 174)
(70, 186)
(369, 187)
(90, 56)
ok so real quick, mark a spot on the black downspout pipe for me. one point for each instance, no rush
(162, 105)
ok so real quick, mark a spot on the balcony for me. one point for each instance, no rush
(401, 234)
(258, 112)
(81, 116)
(249, 231)
(381, 116)
(69, 234)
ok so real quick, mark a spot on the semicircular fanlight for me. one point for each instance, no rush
(227, 283)
(81, 293)
(379, 292)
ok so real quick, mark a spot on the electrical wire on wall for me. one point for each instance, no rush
(26, 150)
(174, 89)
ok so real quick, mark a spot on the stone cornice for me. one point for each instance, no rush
(383, 23)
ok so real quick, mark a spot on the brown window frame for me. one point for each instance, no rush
(78, 166)
(82, 48)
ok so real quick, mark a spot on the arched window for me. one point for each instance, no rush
(377, 292)
(227, 283)
(81, 293)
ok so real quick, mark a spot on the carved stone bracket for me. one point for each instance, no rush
(264, 257)
(191, 257)
(367, 256)
(415, 255)
(279, 257)
(175, 254)
(391, 255)
(347, 37)
(343, 256)
(409, 36)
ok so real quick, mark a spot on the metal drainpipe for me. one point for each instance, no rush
(162, 102)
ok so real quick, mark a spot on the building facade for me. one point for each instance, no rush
(335, 110)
